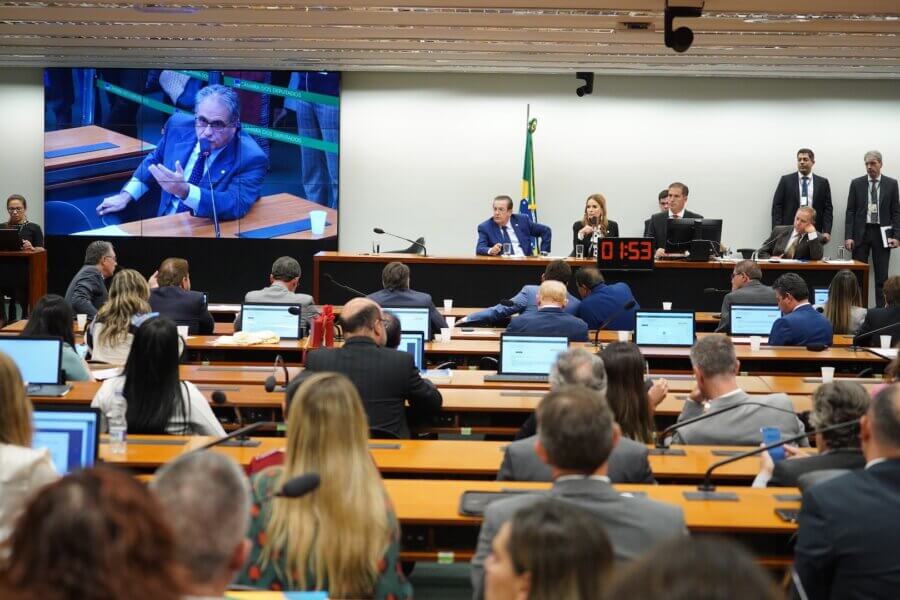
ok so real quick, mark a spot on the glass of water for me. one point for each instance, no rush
(507, 249)
(579, 251)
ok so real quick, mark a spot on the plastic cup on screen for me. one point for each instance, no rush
(317, 221)
(827, 374)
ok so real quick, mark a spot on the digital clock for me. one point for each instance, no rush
(625, 254)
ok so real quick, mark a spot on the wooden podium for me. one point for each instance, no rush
(30, 265)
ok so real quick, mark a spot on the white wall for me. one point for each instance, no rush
(22, 135)
(423, 154)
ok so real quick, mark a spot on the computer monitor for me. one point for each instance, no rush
(412, 319)
(664, 328)
(530, 354)
(700, 237)
(753, 319)
(272, 317)
(38, 358)
(820, 296)
(414, 343)
(70, 433)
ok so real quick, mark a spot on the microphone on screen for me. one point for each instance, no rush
(625, 307)
(300, 486)
(381, 231)
(205, 150)
(271, 382)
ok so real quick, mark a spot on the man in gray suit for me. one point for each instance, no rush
(283, 279)
(716, 368)
(577, 434)
(628, 462)
(746, 288)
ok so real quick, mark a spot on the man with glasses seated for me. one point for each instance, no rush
(200, 159)
(746, 288)
(87, 290)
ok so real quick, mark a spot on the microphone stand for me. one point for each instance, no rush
(380, 231)
(626, 307)
(342, 286)
(212, 196)
(240, 434)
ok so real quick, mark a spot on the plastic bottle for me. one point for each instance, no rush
(118, 433)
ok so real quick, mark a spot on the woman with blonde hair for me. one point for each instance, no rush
(110, 336)
(22, 469)
(595, 224)
(342, 537)
(844, 306)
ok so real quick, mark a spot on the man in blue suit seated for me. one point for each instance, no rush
(200, 158)
(526, 299)
(600, 301)
(549, 318)
(801, 324)
(506, 228)
(396, 294)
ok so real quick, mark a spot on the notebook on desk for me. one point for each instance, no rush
(664, 328)
(258, 316)
(752, 320)
(528, 358)
(39, 360)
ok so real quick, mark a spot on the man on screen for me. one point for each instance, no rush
(199, 160)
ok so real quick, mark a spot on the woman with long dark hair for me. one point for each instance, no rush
(149, 392)
(53, 317)
(627, 393)
(844, 307)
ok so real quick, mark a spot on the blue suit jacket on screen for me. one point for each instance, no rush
(237, 172)
(802, 327)
(550, 321)
(605, 300)
(524, 301)
(489, 234)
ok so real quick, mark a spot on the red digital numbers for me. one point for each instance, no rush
(626, 253)
(606, 249)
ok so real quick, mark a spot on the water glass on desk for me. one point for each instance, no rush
(507, 249)
(579, 251)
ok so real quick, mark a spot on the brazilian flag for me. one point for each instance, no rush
(528, 204)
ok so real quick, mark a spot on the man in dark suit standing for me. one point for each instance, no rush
(506, 228)
(385, 378)
(848, 539)
(171, 296)
(800, 324)
(550, 318)
(885, 320)
(803, 188)
(396, 294)
(873, 203)
(658, 227)
(801, 241)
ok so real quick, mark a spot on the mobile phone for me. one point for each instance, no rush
(771, 435)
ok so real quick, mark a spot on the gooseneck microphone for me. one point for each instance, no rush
(715, 291)
(240, 434)
(625, 307)
(859, 336)
(300, 486)
(343, 286)
(271, 381)
(205, 150)
(381, 231)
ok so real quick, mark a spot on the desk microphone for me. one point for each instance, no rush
(270, 383)
(240, 434)
(859, 336)
(342, 286)
(205, 150)
(381, 231)
(715, 291)
(219, 397)
(299, 486)
(625, 307)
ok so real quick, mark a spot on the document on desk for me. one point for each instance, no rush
(109, 230)
(838, 261)
(103, 374)
(888, 353)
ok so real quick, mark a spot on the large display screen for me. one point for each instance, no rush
(180, 153)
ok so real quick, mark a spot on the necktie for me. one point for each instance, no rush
(197, 171)
(873, 202)
(804, 187)
(505, 235)
(792, 245)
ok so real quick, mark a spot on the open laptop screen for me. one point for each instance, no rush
(414, 343)
(530, 354)
(412, 319)
(38, 359)
(271, 317)
(71, 434)
(820, 296)
(748, 319)
(664, 328)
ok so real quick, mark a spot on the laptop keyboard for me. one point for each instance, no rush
(47, 389)
(515, 377)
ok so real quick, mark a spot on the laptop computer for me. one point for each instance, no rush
(820, 296)
(258, 316)
(414, 343)
(752, 319)
(9, 239)
(528, 358)
(412, 319)
(39, 360)
(70, 433)
(664, 328)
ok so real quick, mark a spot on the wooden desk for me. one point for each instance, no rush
(29, 266)
(490, 278)
(799, 385)
(126, 147)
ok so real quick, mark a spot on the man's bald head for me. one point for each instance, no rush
(361, 316)
(552, 293)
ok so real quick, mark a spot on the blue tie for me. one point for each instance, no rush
(505, 236)
(197, 171)
(804, 187)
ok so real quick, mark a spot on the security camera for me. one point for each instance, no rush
(588, 87)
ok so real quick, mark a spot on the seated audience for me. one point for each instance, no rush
(392, 331)
(171, 297)
(694, 568)
(715, 369)
(887, 317)
(746, 288)
(601, 301)
(205, 498)
(284, 278)
(663, 202)
(658, 228)
(844, 307)
(87, 290)
(110, 335)
(96, 534)
(595, 224)
(53, 317)
(550, 317)
(576, 434)
(386, 379)
(800, 242)
(30, 237)
(396, 294)
(504, 227)
(628, 462)
(848, 537)
(546, 551)
(526, 299)
(833, 403)
(343, 537)
(629, 398)
(149, 392)
(801, 324)
(22, 469)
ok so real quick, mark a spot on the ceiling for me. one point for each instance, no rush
(782, 38)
